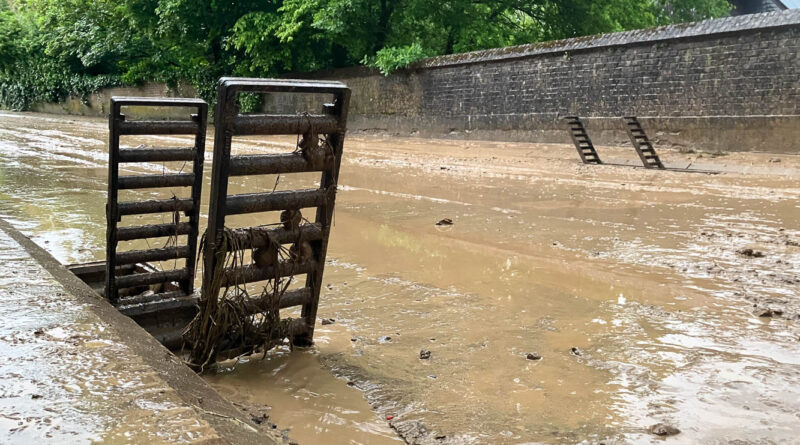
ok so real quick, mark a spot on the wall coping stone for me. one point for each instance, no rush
(705, 28)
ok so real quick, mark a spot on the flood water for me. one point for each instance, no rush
(628, 283)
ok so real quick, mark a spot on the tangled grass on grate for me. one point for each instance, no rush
(231, 319)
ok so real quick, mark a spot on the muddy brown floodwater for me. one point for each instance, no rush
(635, 287)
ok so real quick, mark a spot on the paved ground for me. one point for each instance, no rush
(73, 370)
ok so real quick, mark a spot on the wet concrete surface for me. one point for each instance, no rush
(72, 369)
(635, 287)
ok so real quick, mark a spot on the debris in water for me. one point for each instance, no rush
(385, 339)
(535, 355)
(258, 420)
(750, 253)
(389, 417)
(662, 429)
(445, 222)
(266, 256)
(575, 351)
(766, 313)
(224, 320)
(424, 354)
(327, 321)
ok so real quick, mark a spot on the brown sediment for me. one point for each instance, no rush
(637, 269)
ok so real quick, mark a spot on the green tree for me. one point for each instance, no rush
(51, 48)
(389, 34)
(10, 34)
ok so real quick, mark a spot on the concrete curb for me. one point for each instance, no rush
(231, 424)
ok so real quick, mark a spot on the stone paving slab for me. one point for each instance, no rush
(74, 370)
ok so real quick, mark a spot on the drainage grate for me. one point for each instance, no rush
(129, 279)
(324, 137)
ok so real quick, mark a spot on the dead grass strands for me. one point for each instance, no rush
(230, 319)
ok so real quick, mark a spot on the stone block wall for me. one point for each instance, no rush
(726, 84)
(730, 84)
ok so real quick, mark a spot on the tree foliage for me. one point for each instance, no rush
(53, 48)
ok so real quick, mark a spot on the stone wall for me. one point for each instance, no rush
(726, 84)
(97, 104)
(730, 84)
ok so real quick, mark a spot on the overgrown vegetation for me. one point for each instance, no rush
(53, 48)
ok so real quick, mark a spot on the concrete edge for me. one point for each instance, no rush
(231, 424)
(778, 134)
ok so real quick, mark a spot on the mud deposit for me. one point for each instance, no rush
(565, 303)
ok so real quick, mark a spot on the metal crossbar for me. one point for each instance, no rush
(116, 282)
(330, 125)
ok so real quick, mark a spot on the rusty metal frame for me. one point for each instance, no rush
(115, 210)
(332, 122)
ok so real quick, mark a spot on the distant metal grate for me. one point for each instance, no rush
(644, 148)
(308, 239)
(115, 282)
(582, 141)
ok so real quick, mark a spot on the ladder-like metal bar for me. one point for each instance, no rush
(272, 164)
(269, 124)
(158, 127)
(641, 143)
(147, 278)
(156, 154)
(290, 298)
(253, 273)
(259, 237)
(146, 256)
(162, 303)
(153, 231)
(156, 181)
(582, 141)
(271, 201)
(154, 206)
(330, 125)
(115, 210)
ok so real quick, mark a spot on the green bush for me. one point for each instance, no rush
(35, 81)
(393, 58)
(249, 102)
(50, 49)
